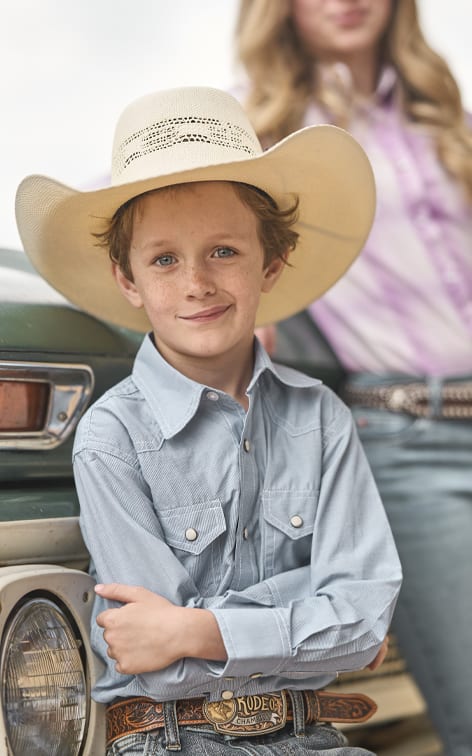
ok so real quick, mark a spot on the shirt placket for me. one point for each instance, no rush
(246, 570)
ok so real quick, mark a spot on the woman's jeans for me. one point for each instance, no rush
(201, 741)
(423, 469)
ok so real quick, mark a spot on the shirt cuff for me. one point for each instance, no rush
(257, 640)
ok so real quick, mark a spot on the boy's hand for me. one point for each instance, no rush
(149, 633)
(143, 634)
(381, 654)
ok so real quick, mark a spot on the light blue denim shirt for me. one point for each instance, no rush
(270, 519)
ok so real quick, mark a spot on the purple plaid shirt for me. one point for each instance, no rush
(406, 303)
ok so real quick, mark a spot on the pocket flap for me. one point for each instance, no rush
(291, 512)
(193, 528)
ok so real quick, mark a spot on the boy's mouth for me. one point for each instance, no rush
(207, 315)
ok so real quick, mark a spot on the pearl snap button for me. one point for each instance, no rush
(227, 694)
(247, 445)
(255, 674)
(191, 534)
(212, 396)
(296, 521)
(245, 534)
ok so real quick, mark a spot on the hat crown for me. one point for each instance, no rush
(179, 130)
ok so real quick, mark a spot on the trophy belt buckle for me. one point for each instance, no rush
(258, 714)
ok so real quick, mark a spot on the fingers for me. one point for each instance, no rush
(125, 594)
(113, 656)
(104, 619)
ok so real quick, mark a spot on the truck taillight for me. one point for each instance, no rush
(23, 405)
(41, 403)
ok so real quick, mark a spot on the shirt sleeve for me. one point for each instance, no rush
(124, 538)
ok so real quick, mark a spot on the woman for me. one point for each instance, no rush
(400, 320)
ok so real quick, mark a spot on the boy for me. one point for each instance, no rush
(242, 554)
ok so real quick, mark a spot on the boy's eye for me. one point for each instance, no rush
(223, 252)
(165, 260)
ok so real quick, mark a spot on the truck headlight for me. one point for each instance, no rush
(43, 679)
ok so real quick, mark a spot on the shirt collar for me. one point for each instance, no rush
(289, 376)
(174, 398)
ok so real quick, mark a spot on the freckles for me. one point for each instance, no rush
(165, 299)
(160, 301)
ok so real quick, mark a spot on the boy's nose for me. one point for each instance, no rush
(199, 282)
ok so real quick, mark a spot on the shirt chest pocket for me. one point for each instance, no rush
(193, 533)
(289, 519)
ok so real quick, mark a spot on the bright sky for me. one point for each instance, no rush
(69, 68)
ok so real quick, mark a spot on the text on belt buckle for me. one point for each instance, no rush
(248, 715)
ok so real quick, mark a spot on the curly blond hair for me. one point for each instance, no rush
(282, 80)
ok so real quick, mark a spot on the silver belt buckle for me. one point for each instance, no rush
(244, 716)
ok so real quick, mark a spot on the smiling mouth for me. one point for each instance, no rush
(206, 316)
(351, 19)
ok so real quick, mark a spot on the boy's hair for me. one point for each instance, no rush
(274, 225)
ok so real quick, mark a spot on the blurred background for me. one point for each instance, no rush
(69, 68)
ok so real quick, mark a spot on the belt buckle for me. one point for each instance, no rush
(257, 714)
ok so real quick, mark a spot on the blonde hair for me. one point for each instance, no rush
(282, 80)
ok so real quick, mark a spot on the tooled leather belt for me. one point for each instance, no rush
(241, 716)
(414, 398)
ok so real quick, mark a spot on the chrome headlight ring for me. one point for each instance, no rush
(43, 679)
(46, 663)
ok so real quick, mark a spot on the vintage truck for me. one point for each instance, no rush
(54, 361)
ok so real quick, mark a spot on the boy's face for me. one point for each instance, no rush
(198, 269)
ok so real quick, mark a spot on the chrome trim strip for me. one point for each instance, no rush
(55, 540)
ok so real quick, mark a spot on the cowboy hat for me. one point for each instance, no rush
(202, 134)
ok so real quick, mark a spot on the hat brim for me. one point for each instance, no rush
(323, 165)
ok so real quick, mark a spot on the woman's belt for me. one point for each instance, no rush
(453, 399)
(242, 716)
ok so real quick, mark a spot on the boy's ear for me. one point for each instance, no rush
(127, 287)
(272, 273)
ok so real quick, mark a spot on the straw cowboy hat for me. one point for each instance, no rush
(202, 134)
